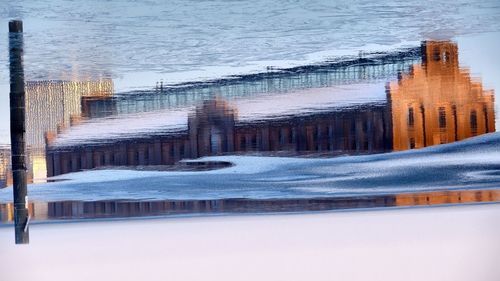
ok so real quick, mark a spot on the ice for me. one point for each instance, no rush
(468, 164)
(456, 243)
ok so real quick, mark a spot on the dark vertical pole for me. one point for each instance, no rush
(17, 131)
(455, 121)
(422, 110)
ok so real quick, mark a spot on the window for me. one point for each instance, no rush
(181, 150)
(253, 139)
(473, 122)
(436, 54)
(411, 118)
(442, 118)
(412, 143)
(146, 155)
(282, 136)
(215, 140)
(446, 56)
(242, 143)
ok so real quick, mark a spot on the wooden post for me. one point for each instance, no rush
(18, 131)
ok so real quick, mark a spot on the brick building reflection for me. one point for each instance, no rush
(438, 102)
(213, 130)
(5, 174)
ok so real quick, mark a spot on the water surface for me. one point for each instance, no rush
(384, 102)
(142, 85)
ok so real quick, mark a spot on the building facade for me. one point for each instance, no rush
(213, 129)
(438, 102)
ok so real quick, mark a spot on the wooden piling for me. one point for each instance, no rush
(18, 131)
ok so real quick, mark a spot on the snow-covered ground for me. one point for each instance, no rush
(468, 164)
(458, 243)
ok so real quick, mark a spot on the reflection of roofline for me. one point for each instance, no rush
(343, 71)
(368, 59)
(290, 118)
(376, 58)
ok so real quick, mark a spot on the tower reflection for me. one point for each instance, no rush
(438, 102)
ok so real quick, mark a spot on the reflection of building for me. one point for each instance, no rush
(214, 130)
(50, 107)
(438, 102)
(53, 105)
(345, 72)
(36, 210)
(211, 129)
(125, 208)
(447, 197)
(5, 176)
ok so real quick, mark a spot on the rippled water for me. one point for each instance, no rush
(383, 102)
(144, 84)
(140, 42)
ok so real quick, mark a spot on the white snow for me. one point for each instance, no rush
(458, 243)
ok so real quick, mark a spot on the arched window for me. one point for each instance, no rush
(442, 118)
(473, 122)
(215, 140)
(412, 143)
(446, 56)
(436, 56)
(411, 118)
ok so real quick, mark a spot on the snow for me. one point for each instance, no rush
(457, 243)
(468, 164)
